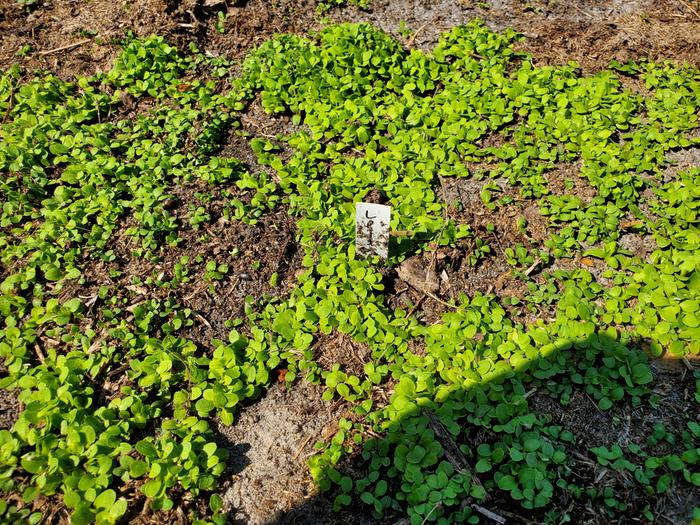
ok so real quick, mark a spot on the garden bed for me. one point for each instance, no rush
(182, 264)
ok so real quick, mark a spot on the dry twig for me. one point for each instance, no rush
(39, 353)
(415, 306)
(203, 319)
(118, 370)
(412, 38)
(581, 10)
(435, 297)
(532, 268)
(690, 8)
(459, 462)
(64, 48)
(302, 447)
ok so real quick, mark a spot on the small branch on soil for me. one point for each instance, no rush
(459, 462)
(202, 318)
(64, 48)
(532, 268)
(91, 299)
(412, 38)
(134, 306)
(194, 17)
(445, 209)
(118, 371)
(583, 459)
(101, 371)
(433, 296)
(146, 506)
(491, 515)
(595, 405)
(582, 11)
(415, 306)
(449, 447)
(514, 516)
(601, 475)
(39, 353)
(498, 242)
(688, 364)
(690, 8)
(181, 518)
(200, 289)
(302, 447)
(94, 346)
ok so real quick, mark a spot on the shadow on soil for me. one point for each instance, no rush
(509, 411)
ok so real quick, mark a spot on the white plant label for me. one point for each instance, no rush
(372, 229)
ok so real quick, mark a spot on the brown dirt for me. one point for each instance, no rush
(253, 254)
(591, 32)
(340, 348)
(623, 425)
(9, 408)
(681, 161)
(255, 122)
(566, 180)
(53, 25)
(455, 267)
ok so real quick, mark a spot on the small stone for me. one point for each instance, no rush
(419, 273)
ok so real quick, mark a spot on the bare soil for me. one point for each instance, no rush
(9, 408)
(267, 481)
(270, 444)
(79, 38)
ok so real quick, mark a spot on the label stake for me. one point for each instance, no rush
(372, 229)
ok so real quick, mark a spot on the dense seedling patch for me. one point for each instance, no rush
(459, 429)
(74, 172)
